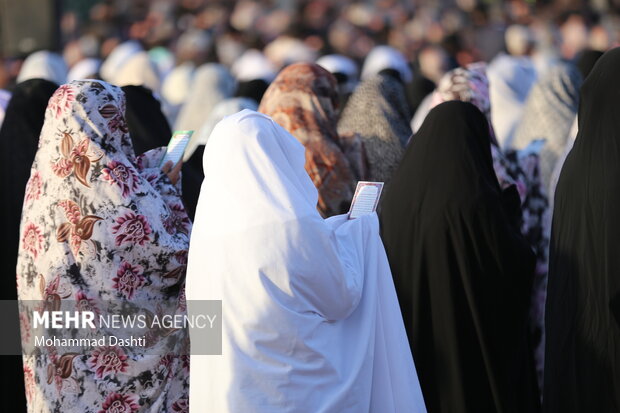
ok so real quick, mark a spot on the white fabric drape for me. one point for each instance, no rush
(211, 83)
(44, 65)
(84, 69)
(129, 64)
(386, 57)
(311, 319)
(220, 111)
(119, 56)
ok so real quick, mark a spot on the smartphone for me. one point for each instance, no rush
(176, 146)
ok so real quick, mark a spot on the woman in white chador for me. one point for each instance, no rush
(311, 322)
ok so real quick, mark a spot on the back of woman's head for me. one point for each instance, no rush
(600, 94)
(449, 158)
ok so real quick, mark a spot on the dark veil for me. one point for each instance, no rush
(19, 138)
(149, 129)
(582, 362)
(462, 270)
(148, 126)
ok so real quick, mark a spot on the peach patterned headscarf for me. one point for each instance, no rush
(302, 99)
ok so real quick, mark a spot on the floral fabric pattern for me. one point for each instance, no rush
(123, 176)
(32, 239)
(78, 228)
(62, 100)
(75, 159)
(100, 224)
(131, 228)
(108, 361)
(120, 403)
(129, 278)
(33, 188)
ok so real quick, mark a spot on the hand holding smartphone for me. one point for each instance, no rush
(176, 146)
(171, 162)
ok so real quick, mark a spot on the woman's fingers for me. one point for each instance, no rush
(175, 172)
(178, 166)
(167, 167)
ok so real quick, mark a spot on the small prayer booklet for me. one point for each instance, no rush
(176, 146)
(366, 199)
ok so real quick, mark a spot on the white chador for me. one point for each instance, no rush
(311, 322)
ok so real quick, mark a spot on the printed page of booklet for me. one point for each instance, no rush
(366, 199)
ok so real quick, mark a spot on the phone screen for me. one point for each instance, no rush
(176, 146)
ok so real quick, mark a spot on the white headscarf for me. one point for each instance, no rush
(220, 111)
(287, 50)
(311, 319)
(176, 86)
(386, 57)
(253, 65)
(175, 89)
(119, 57)
(84, 69)
(510, 80)
(212, 84)
(44, 65)
(336, 63)
(139, 70)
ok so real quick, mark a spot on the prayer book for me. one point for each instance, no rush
(366, 199)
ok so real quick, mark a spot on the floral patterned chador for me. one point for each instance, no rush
(100, 225)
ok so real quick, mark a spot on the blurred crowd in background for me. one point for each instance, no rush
(433, 35)
(205, 59)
